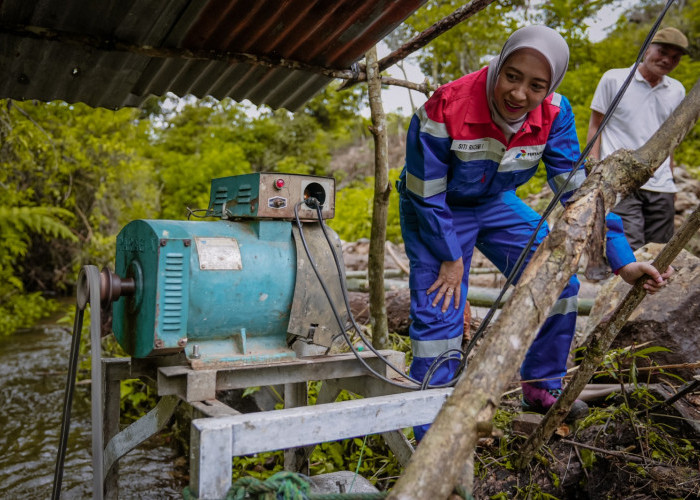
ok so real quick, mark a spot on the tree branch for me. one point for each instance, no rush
(382, 188)
(600, 340)
(424, 38)
(423, 88)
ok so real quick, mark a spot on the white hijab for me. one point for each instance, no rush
(544, 40)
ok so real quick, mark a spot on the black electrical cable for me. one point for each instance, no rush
(68, 401)
(438, 361)
(313, 202)
(559, 193)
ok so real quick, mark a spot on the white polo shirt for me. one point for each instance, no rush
(638, 116)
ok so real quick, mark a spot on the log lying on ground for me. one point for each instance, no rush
(438, 463)
(398, 304)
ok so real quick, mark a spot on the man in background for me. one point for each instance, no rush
(647, 213)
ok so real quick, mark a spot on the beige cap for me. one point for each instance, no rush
(671, 36)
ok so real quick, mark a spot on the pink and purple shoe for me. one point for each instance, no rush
(538, 400)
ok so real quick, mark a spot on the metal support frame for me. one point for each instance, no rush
(223, 433)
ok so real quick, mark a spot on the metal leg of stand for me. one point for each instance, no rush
(113, 372)
(296, 459)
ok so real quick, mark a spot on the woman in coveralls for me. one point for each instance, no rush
(468, 148)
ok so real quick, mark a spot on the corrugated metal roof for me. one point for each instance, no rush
(73, 50)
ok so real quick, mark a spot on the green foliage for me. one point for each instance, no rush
(259, 466)
(18, 309)
(86, 161)
(570, 18)
(354, 207)
(137, 399)
(337, 113)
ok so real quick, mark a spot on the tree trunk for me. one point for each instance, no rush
(599, 342)
(382, 188)
(439, 459)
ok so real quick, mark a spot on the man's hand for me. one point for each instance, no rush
(634, 270)
(448, 284)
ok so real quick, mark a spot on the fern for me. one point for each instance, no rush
(17, 222)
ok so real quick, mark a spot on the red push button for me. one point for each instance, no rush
(279, 183)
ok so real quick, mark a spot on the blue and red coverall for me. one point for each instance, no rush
(457, 191)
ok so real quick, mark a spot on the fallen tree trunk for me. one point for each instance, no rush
(599, 342)
(439, 460)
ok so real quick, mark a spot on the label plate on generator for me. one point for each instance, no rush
(218, 254)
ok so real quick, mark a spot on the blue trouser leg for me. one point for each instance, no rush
(545, 361)
(505, 232)
(432, 332)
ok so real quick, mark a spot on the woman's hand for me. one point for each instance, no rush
(634, 270)
(448, 284)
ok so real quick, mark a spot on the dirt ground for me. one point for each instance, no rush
(612, 454)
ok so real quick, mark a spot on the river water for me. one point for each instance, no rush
(33, 368)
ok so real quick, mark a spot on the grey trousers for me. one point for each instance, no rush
(647, 217)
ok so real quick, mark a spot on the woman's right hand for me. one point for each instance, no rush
(448, 284)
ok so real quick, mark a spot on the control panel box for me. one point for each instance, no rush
(271, 196)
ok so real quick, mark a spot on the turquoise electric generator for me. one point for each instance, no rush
(238, 289)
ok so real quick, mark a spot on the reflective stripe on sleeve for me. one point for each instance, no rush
(573, 184)
(431, 127)
(433, 348)
(425, 189)
(564, 306)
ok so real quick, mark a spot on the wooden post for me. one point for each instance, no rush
(382, 188)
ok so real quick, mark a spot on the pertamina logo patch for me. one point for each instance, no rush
(525, 155)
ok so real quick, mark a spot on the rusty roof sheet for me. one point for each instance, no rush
(117, 53)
